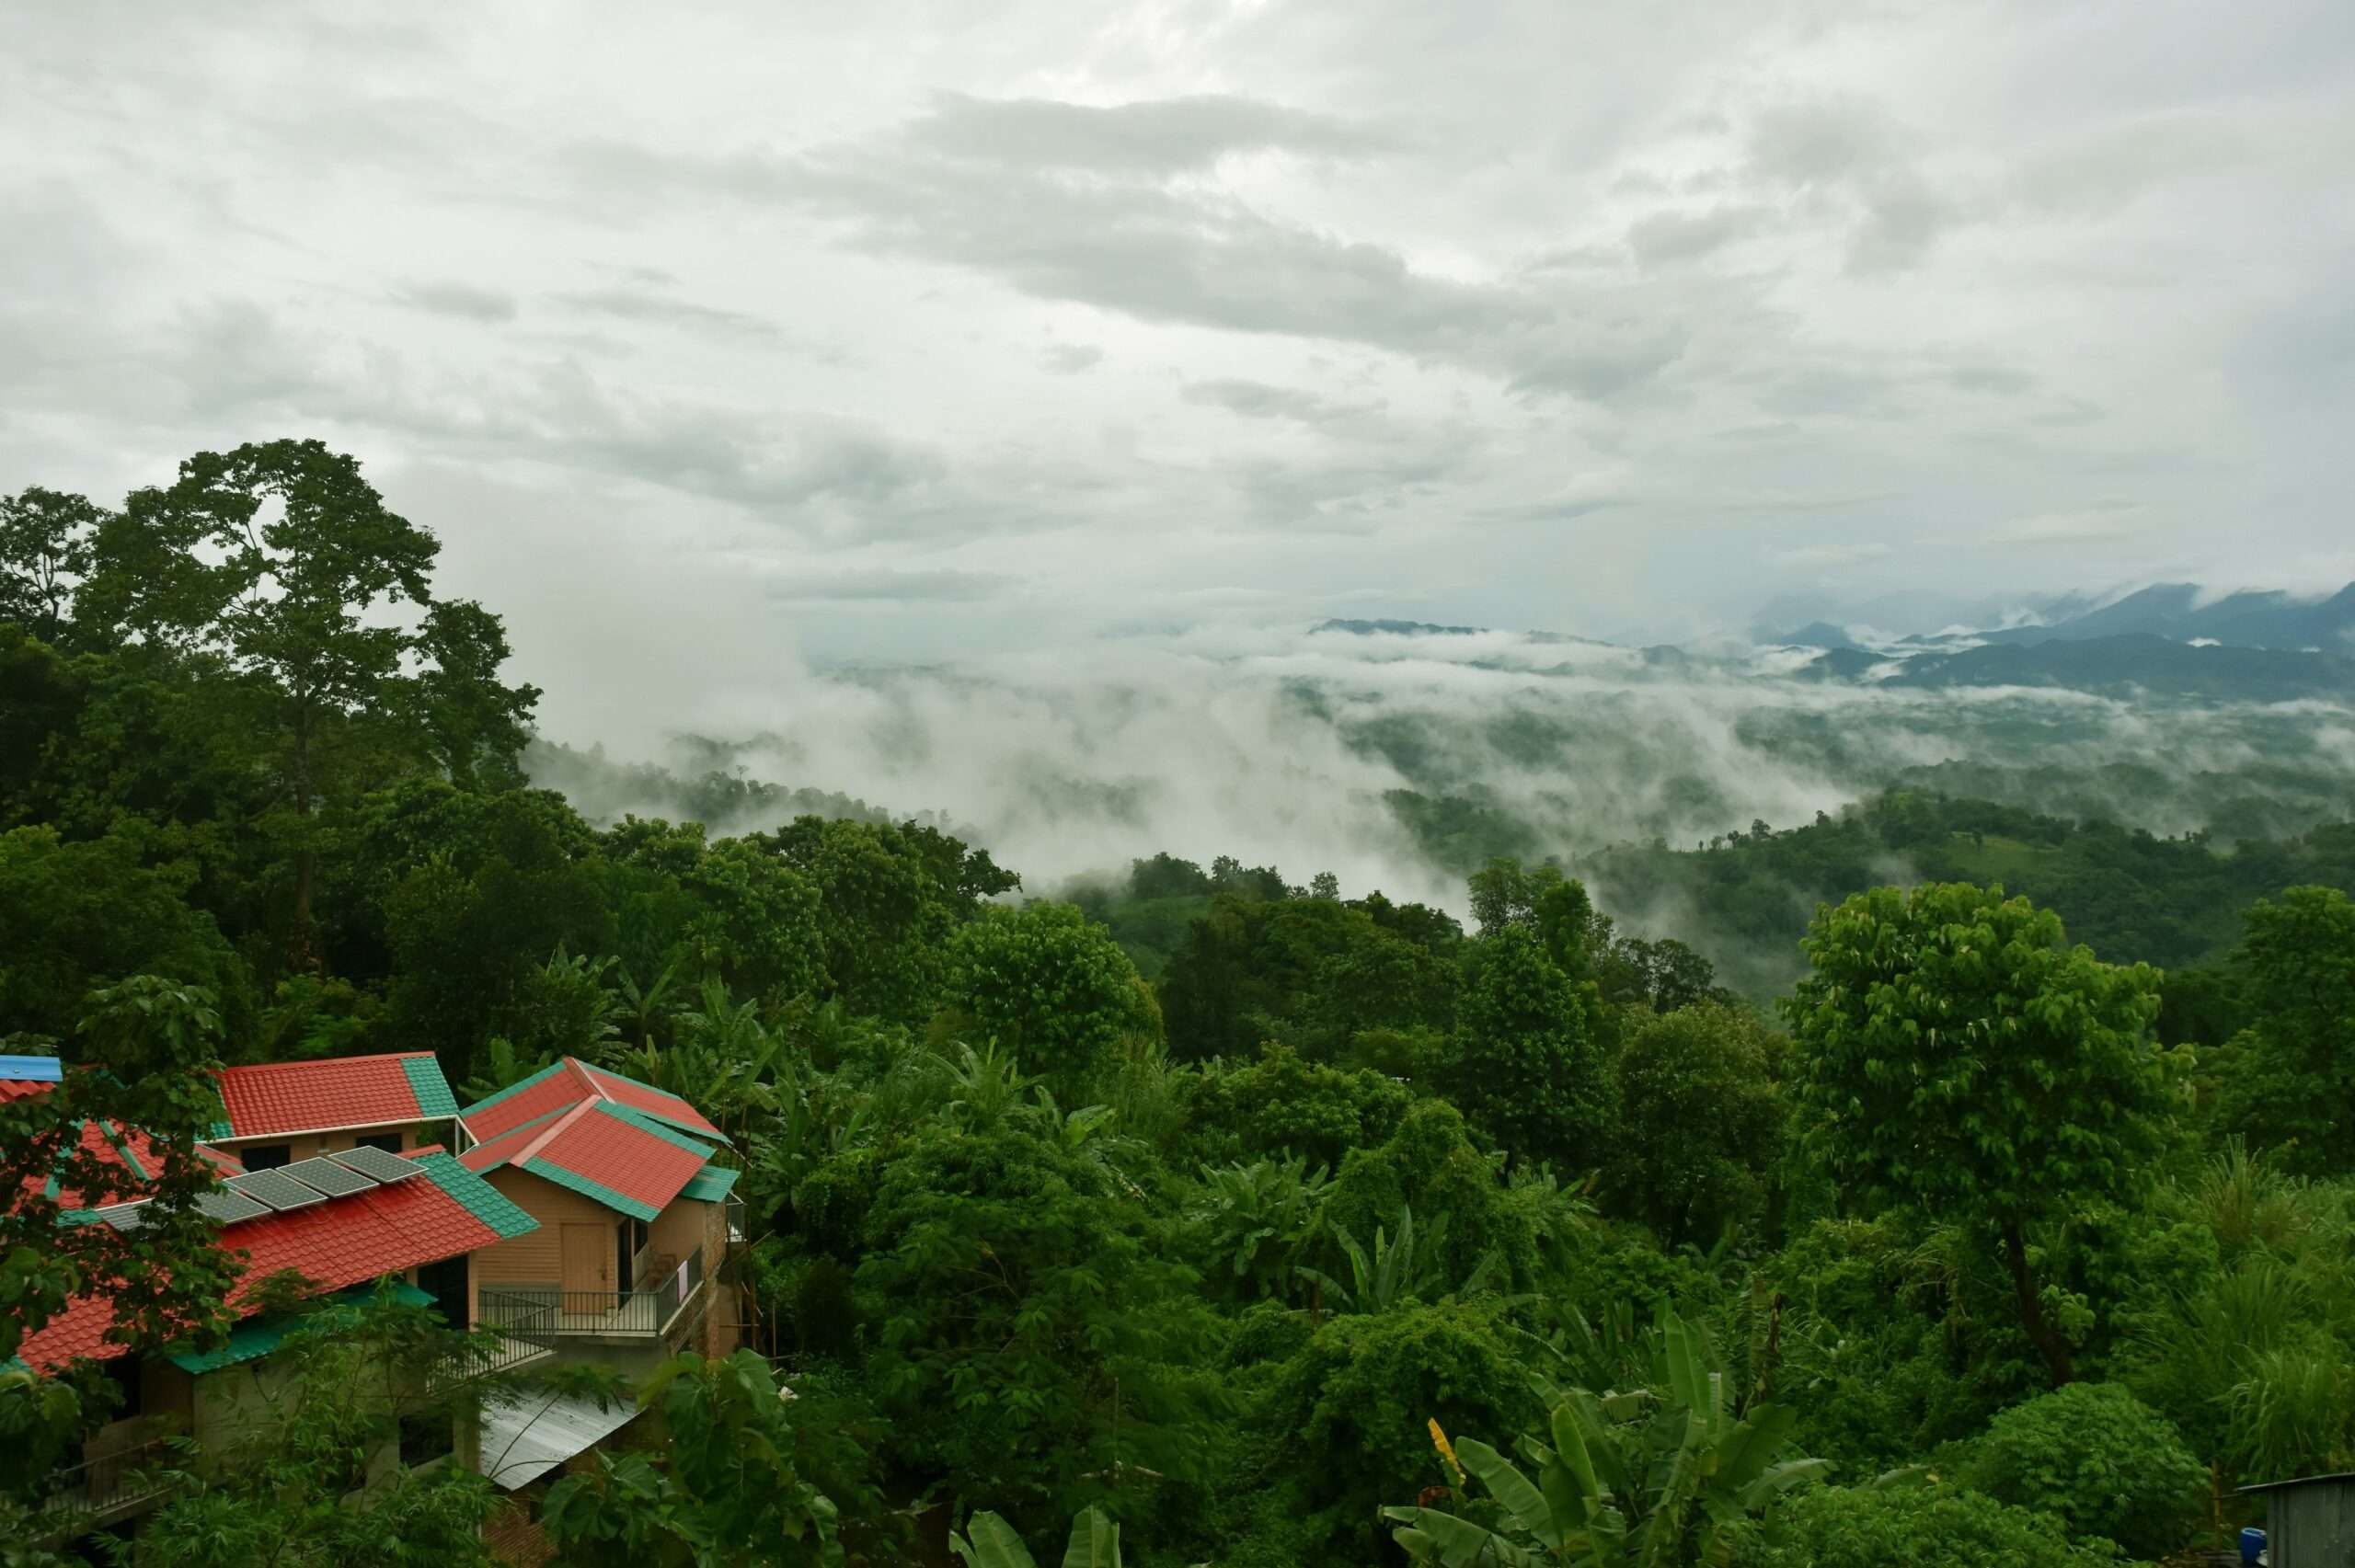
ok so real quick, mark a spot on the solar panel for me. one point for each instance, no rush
(275, 1188)
(378, 1164)
(123, 1216)
(329, 1177)
(229, 1207)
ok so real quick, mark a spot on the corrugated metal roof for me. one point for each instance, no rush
(522, 1440)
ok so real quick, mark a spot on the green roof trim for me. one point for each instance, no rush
(516, 1088)
(477, 1197)
(710, 1184)
(432, 1090)
(257, 1337)
(587, 1189)
(659, 1127)
(116, 1136)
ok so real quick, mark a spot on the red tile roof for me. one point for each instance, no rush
(614, 1156)
(553, 1089)
(108, 1140)
(336, 1092)
(567, 1084)
(652, 1102)
(343, 1242)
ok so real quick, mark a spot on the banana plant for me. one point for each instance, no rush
(1623, 1483)
(1257, 1219)
(990, 1542)
(1392, 1272)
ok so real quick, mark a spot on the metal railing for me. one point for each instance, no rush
(533, 1312)
(679, 1288)
(108, 1483)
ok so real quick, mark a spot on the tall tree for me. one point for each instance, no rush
(2289, 1078)
(44, 552)
(283, 561)
(1955, 1056)
(1528, 1069)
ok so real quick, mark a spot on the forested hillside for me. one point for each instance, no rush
(1263, 1223)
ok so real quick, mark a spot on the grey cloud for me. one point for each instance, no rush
(1834, 390)
(1125, 238)
(1157, 137)
(1070, 359)
(1667, 238)
(883, 584)
(644, 305)
(1852, 148)
(1990, 378)
(449, 297)
(1257, 400)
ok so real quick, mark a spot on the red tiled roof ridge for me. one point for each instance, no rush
(322, 1061)
(550, 1131)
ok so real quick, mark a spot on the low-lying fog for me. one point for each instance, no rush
(1282, 747)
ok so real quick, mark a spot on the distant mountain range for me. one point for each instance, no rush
(2252, 619)
(2116, 665)
(2162, 641)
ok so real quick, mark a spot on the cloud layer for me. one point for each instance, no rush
(914, 330)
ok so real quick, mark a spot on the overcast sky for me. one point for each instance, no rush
(710, 333)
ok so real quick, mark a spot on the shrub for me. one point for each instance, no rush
(1920, 1527)
(2101, 1461)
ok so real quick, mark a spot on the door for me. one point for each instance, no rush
(588, 1267)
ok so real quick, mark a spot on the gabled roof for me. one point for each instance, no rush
(568, 1082)
(277, 1099)
(335, 1243)
(627, 1161)
(125, 1148)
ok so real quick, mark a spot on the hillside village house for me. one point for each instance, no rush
(584, 1217)
(280, 1112)
(624, 1264)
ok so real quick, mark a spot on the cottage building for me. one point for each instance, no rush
(342, 1222)
(625, 1264)
(275, 1113)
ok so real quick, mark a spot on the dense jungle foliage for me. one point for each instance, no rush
(1335, 1232)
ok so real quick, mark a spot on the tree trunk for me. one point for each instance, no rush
(306, 860)
(2049, 1341)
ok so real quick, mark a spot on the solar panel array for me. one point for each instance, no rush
(229, 1207)
(298, 1186)
(327, 1176)
(276, 1188)
(377, 1163)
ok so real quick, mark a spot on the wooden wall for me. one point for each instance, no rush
(536, 1257)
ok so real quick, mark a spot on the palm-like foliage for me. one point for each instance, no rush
(1394, 1271)
(990, 1542)
(502, 1066)
(1654, 1478)
(982, 1087)
(1256, 1220)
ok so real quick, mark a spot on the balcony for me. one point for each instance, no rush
(106, 1487)
(544, 1312)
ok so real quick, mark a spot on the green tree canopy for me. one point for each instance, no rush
(1955, 1056)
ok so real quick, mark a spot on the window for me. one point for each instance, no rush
(390, 1142)
(123, 1372)
(446, 1283)
(265, 1156)
(425, 1437)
